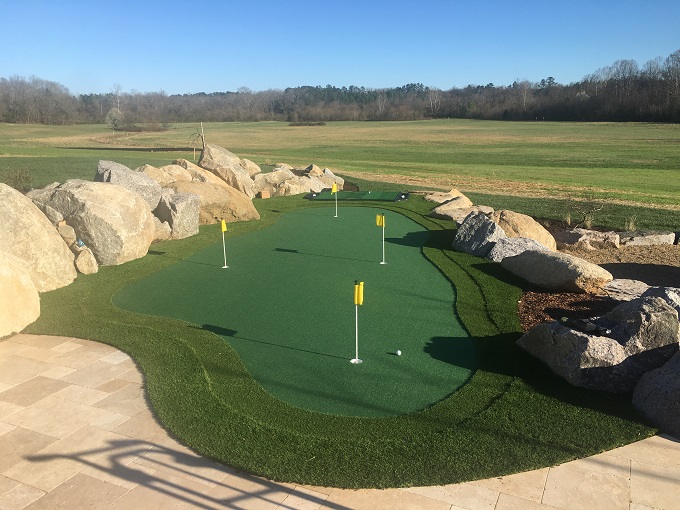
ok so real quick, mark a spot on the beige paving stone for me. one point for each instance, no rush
(249, 492)
(4, 386)
(56, 417)
(573, 488)
(510, 502)
(374, 500)
(117, 467)
(464, 495)
(79, 358)
(80, 492)
(19, 443)
(43, 341)
(528, 485)
(7, 484)
(315, 488)
(7, 409)
(178, 460)
(20, 497)
(133, 375)
(636, 506)
(115, 357)
(65, 347)
(58, 372)
(14, 369)
(144, 427)
(5, 428)
(29, 392)
(603, 463)
(38, 353)
(655, 486)
(95, 374)
(109, 421)
(129, 400)
(304, 499)
(657, 450)
(94, 345)
(113, 385)
(76, 393)
(9, 347)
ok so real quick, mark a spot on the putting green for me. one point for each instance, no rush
(286, 305)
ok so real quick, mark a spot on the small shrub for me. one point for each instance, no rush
(19, 179)
(630, 224)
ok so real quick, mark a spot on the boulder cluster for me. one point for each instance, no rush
(633, 349)
(52, 234)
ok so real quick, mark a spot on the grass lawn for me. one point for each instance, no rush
(512, 415)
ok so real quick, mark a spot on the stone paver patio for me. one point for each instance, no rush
(76, 432)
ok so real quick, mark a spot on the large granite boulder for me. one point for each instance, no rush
(477, 235)
(181, 211)
(219, 202)
(657, 396)
(166, 174)
(440, 197)
(313, 171)
(558, 271)
(120, 175)
(670, 295)
(520, 225)
(646, 238)
(86, 263)
(328, 178)
(19, 299)
(583, 239)
(114, 222)
(28, 235)
(252, 168)
(623, 289)
(272, 181)
(644, 334)
(228, 167)
(451, 211)
(511, 246)
(199, 174)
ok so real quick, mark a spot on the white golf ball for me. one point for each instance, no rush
(398, 353)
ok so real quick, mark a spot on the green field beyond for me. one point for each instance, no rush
(286, 305)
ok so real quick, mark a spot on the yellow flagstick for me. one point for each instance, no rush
(224, 246)
(334, 190)
(380, 221)
(358, 300)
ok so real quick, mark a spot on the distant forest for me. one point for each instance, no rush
(623, 91)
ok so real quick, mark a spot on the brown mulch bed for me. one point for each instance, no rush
(654, 265)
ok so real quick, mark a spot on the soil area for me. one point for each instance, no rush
(654, 265)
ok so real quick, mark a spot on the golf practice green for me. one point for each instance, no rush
(285, 303)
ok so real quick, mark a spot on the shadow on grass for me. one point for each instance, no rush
(298, 252)
(652, 274)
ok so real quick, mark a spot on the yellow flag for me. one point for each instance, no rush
(380, 220)
(334, 189)
(224, 226)
(358, 293)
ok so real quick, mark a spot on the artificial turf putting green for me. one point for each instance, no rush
(286, 305)
(374, 196)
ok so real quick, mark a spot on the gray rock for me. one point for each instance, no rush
(477, 235)
(657, 396)
(67, 234)
(120, 175)
(580, 238)
(181, 211)
(645, 339)
(271, 181)
(162, 231)
(19, 299)
(219, 202)
(28, 235)
(670, 295)
(646, 238)
(622, 289)
(448, 212)
(558, 271)
(85, 262)
(511, 246)
(520, 225)
(227, 166)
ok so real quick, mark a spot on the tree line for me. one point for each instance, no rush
(623, 91)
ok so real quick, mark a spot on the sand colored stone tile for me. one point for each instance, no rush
(115, 357)
(107, 349)
(304, 499)
(19, 443)
(464, 495)
(657, 450)
(43, 341)
(58, 372)
(14, 369)
(510, 502)
(9, 348)
(76, 393)
(95, 374)
(389, 498)
(7, 484)
(38, 353)
(29, 392)
(603, 463)
(80, 492)
(528, 485)
(113, 385)
(7, 409)
(79, 358)
(65, 347)
(249, 492)
(179, 461)
(574, 488)
(20, 497)
(133, 375)
(145, 428)
(636, 506)
(315, 488)
(129, 400)
(5, 428)
(4, 386)
(655, 486)
(117, 467)
(57, 417)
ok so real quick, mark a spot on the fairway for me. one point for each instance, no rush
(286, 305)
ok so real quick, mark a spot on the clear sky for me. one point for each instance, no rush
(221, 45)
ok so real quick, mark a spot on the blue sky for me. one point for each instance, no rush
(210, 45)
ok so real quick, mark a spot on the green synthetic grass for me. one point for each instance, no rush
(375, 196)
(285, 303)
(513, 415)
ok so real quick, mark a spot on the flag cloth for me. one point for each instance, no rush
(224, 226)
(334, 189)
(358, 293)
(380, 220)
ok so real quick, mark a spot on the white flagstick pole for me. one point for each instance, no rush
(358, 299)
(383, 241)
(336, 204)
(224, 249)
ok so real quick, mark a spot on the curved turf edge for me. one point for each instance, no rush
(513, 415)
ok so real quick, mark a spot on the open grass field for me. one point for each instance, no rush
(554, 168)
(513, 414)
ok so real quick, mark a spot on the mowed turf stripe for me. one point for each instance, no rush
(286, 305)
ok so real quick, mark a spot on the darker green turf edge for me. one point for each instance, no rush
(512, 416)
